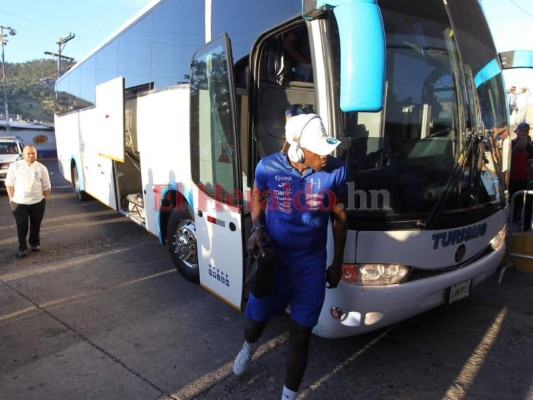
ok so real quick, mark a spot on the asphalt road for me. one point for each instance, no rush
(101, 313)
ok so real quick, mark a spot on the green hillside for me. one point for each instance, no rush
(30, 90)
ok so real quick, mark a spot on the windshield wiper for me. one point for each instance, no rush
(471, 142)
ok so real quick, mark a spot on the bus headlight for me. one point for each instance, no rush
(374, 274)
(498, 240)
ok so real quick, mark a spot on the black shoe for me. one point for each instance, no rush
(35, 248)
(22, 253)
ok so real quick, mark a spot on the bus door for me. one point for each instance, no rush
(216, 172)
(103, 141)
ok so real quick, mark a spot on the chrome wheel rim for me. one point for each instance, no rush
(185, 244)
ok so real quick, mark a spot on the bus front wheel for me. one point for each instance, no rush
(182, 245)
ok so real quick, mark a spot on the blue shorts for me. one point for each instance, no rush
(304, 288)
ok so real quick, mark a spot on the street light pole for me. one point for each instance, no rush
(3, 39)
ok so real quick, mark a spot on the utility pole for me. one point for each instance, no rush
(3, 39)
(61, 43)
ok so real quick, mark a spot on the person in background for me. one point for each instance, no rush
(296, 46)
(521, 158)
(522, 100)
(28, 186)
(306, 188)
(511, 99)
(489, 177)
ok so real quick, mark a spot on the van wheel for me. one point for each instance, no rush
(80, 194)
(182, 245)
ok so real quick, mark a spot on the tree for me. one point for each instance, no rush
(30, 89)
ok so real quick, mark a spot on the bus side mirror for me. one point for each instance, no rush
(363, 49)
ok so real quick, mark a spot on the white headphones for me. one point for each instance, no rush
(295, 152)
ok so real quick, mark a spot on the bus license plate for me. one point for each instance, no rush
(459, 291)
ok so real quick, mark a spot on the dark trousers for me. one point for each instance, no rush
(28, 216)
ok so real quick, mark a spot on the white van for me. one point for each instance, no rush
(10, 151)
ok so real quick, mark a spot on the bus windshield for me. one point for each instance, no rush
(425, 155)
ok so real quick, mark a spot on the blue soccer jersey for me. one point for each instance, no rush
(298, 207)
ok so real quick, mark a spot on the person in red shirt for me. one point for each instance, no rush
(521, 158)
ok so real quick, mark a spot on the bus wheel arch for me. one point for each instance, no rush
(75, 179)
(171, 201)
(183, 244)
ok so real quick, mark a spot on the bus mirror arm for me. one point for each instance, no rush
(516, 59)
(362, 42)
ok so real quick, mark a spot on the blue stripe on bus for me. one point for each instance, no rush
(488, 72)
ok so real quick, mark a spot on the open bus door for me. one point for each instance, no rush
(215, 168)
(102, 143)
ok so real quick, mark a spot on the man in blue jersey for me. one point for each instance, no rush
(305, 188)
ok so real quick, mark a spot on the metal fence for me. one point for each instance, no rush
(519, 239)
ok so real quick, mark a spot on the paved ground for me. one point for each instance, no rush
(100, 313)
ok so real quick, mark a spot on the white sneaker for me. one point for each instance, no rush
(244, 358)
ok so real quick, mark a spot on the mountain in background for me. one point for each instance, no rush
(30, 90)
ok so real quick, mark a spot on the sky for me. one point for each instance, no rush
(41, 23)
(511, 25)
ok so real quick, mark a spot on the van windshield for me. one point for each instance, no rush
(8, 148)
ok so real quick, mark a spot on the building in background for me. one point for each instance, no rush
(39, 135)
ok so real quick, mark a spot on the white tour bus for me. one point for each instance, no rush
(166, 120)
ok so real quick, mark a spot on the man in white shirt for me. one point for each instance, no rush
(28, 186)
(511, 99)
